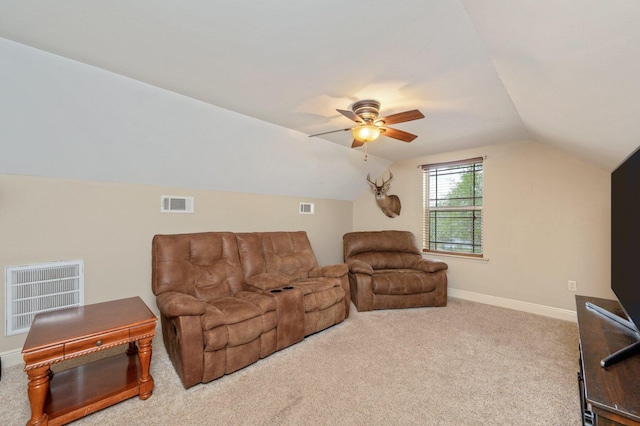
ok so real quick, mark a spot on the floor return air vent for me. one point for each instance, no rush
(44, 287)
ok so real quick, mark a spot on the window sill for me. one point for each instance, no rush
(429, 254)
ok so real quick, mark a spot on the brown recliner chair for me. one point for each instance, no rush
(387, 271)
(211, 326)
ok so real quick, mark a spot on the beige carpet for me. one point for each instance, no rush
(466, 364)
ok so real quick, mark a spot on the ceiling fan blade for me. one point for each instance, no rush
(399, 134)
(402, 117)
(350, 115)
(330, 131)
(356, 143)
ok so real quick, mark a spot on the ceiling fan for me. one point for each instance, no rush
(370, 126)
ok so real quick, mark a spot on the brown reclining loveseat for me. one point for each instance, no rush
(386, 271)
(228, 299)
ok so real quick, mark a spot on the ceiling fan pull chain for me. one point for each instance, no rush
(365, 151)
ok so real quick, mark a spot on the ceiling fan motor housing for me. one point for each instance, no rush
(367, 110)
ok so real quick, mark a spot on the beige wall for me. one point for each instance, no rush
(110, 226)
(547, 222)
(547, 218)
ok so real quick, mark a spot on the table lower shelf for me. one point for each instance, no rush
(88, 388)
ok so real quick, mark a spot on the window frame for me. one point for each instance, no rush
(426, 208)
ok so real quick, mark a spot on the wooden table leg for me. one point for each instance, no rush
(37, 391)
(146, 381)
(132, 349)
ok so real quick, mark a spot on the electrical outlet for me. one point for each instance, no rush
(572, 286)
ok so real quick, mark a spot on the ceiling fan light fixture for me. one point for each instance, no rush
(366, 133)
(369, 125)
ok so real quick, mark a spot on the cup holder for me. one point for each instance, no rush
(277, 290)
(289, 287)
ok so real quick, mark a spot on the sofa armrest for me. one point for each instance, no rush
(173, 304)
(359, 267)
(428, 265)
(338, 270)
(183, 339)
(267, 281)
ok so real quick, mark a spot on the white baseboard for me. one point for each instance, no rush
(548, 311)
(11, 358)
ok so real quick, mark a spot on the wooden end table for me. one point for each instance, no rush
(70, 333)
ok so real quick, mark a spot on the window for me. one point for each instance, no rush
(452, 204)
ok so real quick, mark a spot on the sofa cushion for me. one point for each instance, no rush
(216, 338)
(231, 321)
(288, 253)
(212, 318)
(284, 253)
(265, 303)
(236, 310)
(384, 241)
(244, 331)
(388, 259)
(210, 293)
(319, 295)
(207, 260)
(403, 281)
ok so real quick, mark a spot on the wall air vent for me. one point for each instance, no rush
(45, 287)
(307, 208)
(176, 204)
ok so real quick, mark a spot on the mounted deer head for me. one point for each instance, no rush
(389, 204)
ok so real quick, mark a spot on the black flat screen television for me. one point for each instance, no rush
(625, 250)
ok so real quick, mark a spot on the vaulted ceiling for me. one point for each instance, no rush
(565, 73)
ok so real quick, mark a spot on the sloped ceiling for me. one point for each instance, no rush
(571, 68)
(563, 73)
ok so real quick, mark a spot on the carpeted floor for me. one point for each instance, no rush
(465, 364)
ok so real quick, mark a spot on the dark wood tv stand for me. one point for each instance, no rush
(611, 395)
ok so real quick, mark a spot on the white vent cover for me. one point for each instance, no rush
(307, 208)
(32, 289)
(176, 204)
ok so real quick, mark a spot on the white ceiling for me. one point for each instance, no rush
(561, 72)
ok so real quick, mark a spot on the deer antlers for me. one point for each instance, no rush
(385, 183)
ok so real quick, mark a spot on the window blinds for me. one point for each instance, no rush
(452, 207)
